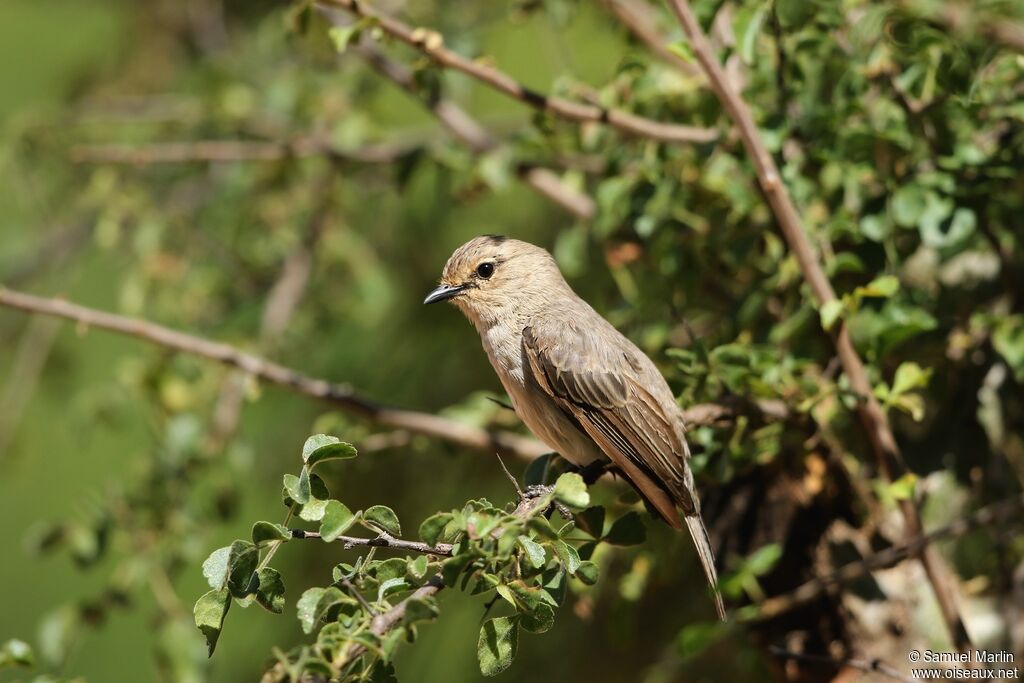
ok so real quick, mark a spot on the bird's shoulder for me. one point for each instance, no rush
(586, 359)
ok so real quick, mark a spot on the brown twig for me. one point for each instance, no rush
(872, 417)
(234, 150)
(466, 130)
(431, 44)
(382, 623)
(382, 541)
(341, 395)
(638, 18)
(1003, 512)
(866, 665)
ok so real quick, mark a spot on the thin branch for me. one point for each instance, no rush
(1003, 512)
(382, 541)
(383, 623)
(341, 395)
(234, 150)
(431, 44)
(872, 417)
(469, 132)
(866, 665)
(638, 18)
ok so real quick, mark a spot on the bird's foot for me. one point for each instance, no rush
(535, 491)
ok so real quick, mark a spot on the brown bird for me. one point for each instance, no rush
(581, 387)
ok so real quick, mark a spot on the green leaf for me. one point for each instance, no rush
(433, 527)
(265, 533)
(315, 603)
(16, 652)
(298, 488)
(499, 640)
(882, 287)
(270, 594)
(910, 376)
(629, 529)
(342, 36)
(321, 448)
(417, 610)
(209, 613)
(570, 490)
(534, 551)
(903, 488)
(242, 561)
(337, 520)
(506, 592)
(830, 312)
(682, 49)
(695, 638)
(215, 568)
(383, 518)
(537, 470)
(587, 573)
(591, 520)
(1008, 340)
(539, 619)
(417, 568)
(763, 559)
(319, 494)
(570, 558)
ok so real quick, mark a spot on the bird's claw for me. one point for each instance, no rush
(535, 491)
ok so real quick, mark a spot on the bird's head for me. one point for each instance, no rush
(491, 275)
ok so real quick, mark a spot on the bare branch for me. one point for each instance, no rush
(234, 150)
(382, 541)
(873, 418)
(341, 395)
(470, 133)
(431, 44)
(1003, 512)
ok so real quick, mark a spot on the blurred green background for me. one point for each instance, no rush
(109, 452)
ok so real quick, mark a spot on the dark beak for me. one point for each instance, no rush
(443, 292)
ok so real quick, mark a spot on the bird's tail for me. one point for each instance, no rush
(699, 534)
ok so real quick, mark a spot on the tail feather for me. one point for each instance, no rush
(699, 534)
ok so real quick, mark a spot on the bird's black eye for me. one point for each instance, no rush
(485, 270)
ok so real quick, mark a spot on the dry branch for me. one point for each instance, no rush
(431, 44)
(474, 136)
(382, 541)
(340, 395)
(873, 418)
(1003, 512)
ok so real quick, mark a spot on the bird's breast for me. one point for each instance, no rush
(536, 409)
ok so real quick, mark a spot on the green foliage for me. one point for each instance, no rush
(898, 134)
(519, 555)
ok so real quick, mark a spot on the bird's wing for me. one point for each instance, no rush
(623, 417)
(614, 409)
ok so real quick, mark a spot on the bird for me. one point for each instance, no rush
(581, 386)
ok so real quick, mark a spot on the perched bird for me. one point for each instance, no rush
(581, 387)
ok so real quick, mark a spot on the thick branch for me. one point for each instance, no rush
(341, 395)
(382, 541)
(431, 44)
(474, 136)
(873, 418)
(1003, 512)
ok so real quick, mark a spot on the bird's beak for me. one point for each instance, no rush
(443, 292)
